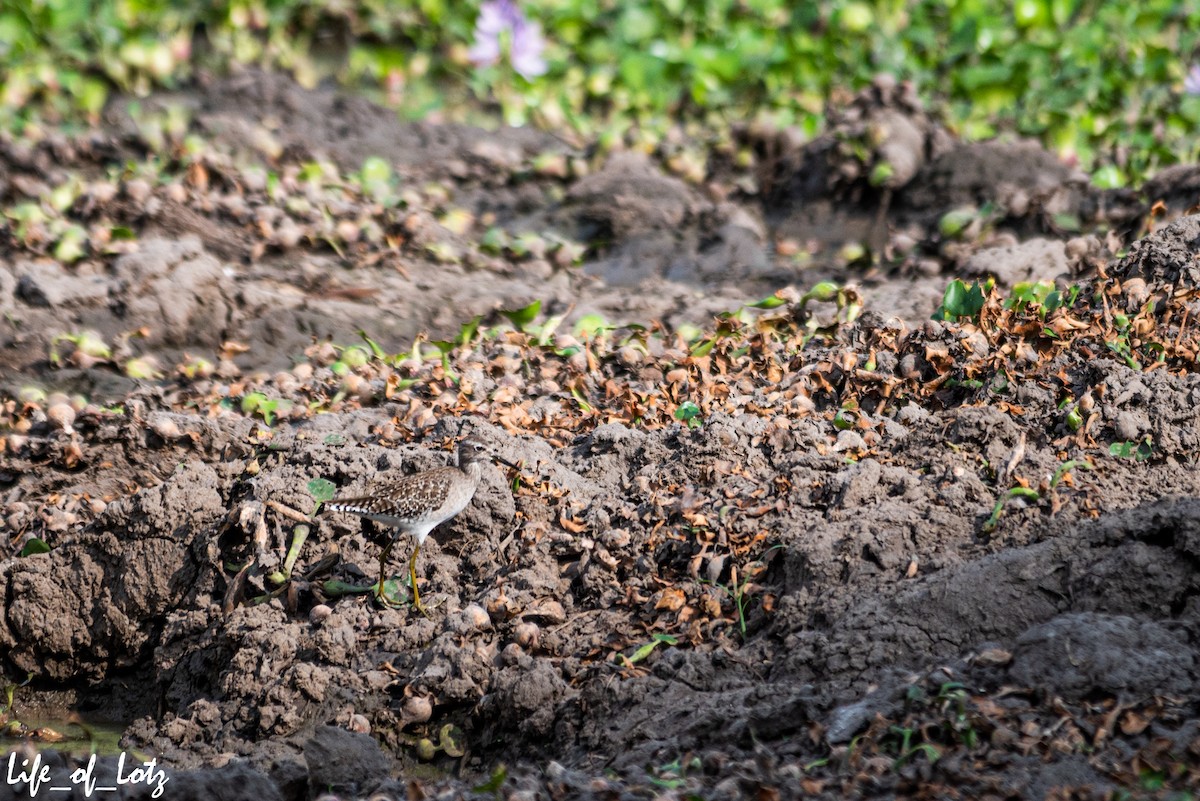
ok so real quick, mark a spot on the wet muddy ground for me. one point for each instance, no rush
(818, 545)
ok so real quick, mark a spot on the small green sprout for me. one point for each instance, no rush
(591, 325)
(143, 367)
(689, 413)
(522, 317)
(881, 173)
(89, 343)
(578, 396)
(645, 650)
(955, 222)
(960, 301)
(769, 302)
(468, 332)
(450, 742)
(1141, 451)
(494, 241)
(34, 546)
(494, 783)
(1066, 467)
(376, 351)
(321, 489)
(737, 591)
(1016, 492)
(847, 416)
(264, 407)
(1041, 294)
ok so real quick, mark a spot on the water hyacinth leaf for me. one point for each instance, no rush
(34, 546)
(522, 317)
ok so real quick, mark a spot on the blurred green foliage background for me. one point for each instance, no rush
(1100, 81)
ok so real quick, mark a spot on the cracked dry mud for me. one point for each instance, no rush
(1049, 653)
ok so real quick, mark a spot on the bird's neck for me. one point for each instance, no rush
(473, 469)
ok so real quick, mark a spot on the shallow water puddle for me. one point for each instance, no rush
(67, 735)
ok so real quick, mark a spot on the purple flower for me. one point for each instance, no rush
(1191, 82)
(525, 43)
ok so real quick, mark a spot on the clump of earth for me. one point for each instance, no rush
(775, 531)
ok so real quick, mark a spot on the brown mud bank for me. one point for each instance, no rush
(799, 550)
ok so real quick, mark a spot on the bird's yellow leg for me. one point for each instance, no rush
(412, 577)
(381, 587)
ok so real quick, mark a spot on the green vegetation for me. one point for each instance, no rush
(1099, 81)
(961, 301)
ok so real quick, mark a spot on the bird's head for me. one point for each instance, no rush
(473, 450)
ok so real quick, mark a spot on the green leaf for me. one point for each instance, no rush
(322, 489)
(960, 300)
(770, 302)
(143, 368)
(375, 349)
(578, 396)
(494, 241)
(334, 588)
(493, 785)
(1141, 451)
(955, 222)
(645, 650)
(450, 740)
(467, 333)
(822, 292)
(34, 546)
(299, 535)
(376, 170)
(881, 173)
(522, 317)
(689, 413)
(589, 325)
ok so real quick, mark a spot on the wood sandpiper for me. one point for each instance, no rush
(418, 503)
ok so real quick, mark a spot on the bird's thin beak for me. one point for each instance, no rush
(504, 461)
